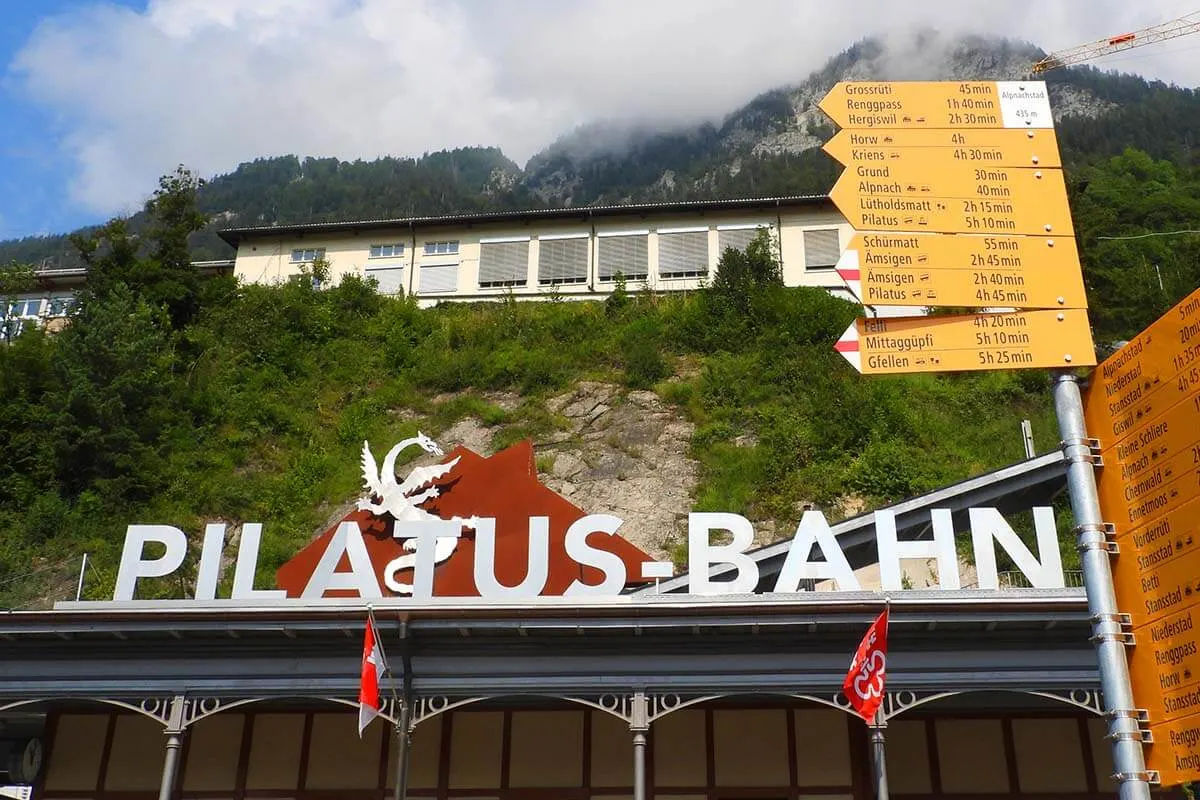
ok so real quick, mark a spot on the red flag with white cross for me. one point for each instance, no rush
(373, 667)
(864, 682)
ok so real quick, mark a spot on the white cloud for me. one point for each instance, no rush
(210, 83)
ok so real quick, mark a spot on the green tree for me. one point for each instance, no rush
(156, 266)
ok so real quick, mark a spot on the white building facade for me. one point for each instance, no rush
(564, 253)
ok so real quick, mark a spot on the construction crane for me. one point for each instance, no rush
(1189, 23)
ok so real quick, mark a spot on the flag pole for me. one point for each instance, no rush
(402, 728)
(878, 756)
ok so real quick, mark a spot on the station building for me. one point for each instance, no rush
(991, 692)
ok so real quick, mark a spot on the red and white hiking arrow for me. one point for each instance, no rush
(848, 346)
(847, 269)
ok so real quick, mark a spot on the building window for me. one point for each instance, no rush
(624, 253)
(821, 249)
(387, 250)
(438, 279)
(390, 279)
(307, 256)
(503, 263)
(25, 309)
(562, 260)
(441, 248)
(738, 238)
(683, 253)
(60, 306)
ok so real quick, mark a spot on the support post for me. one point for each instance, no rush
(639, 724)
(405, 724)
(82, 572)
(174, 733)
(403, 731)
(879, 758)
(1123, 724)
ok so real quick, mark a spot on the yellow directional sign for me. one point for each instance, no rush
(1143, 405)
(1157, 467)
(1034, 215)
(914, 269)
(1157, 588)
(1165, 667)
(1055, 255)
(1016, 184)
(1157, 369)
(1175, 751)
(1019, 340)
(945, 148)
(942, 104)
(957, 288)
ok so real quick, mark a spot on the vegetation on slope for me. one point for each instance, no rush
(178, 401)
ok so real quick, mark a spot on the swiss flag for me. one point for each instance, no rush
(373, 667)
(864, 682)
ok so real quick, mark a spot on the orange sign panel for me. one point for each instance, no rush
(1021, 340)
(1020, 185)
(1175, 752)
(946, 148)
(1033, 214)
(1156, 540)
(1154, 460)
(1143, 405)
(963, 270)
(949, 287)
(938, 104)
(1158, 585)
(1165, 664)
(1158, 369)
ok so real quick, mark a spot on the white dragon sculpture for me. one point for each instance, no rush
(402, 500)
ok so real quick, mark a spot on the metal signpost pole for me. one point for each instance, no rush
(880, 758)
(1123, 723)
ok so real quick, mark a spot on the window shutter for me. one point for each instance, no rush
(562, 261)
(737, 239)
(503, 263)
(391, 279)
(628, 255)
(821, 249)
(682, 255)
(438, 279)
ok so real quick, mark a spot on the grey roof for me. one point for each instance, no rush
(1026, 640)
(234, 235)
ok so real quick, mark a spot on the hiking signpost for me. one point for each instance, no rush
(957, 193)
(1143, 407)
(957, 197)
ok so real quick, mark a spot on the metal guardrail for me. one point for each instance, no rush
(1072, 579)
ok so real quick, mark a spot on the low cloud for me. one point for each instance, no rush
(210, 83)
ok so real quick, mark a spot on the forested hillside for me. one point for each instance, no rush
(175, 400)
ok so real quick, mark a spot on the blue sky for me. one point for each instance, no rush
(33, 172)
(101, 97)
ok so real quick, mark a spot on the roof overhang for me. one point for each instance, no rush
(1027, 640)
(234, 236)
